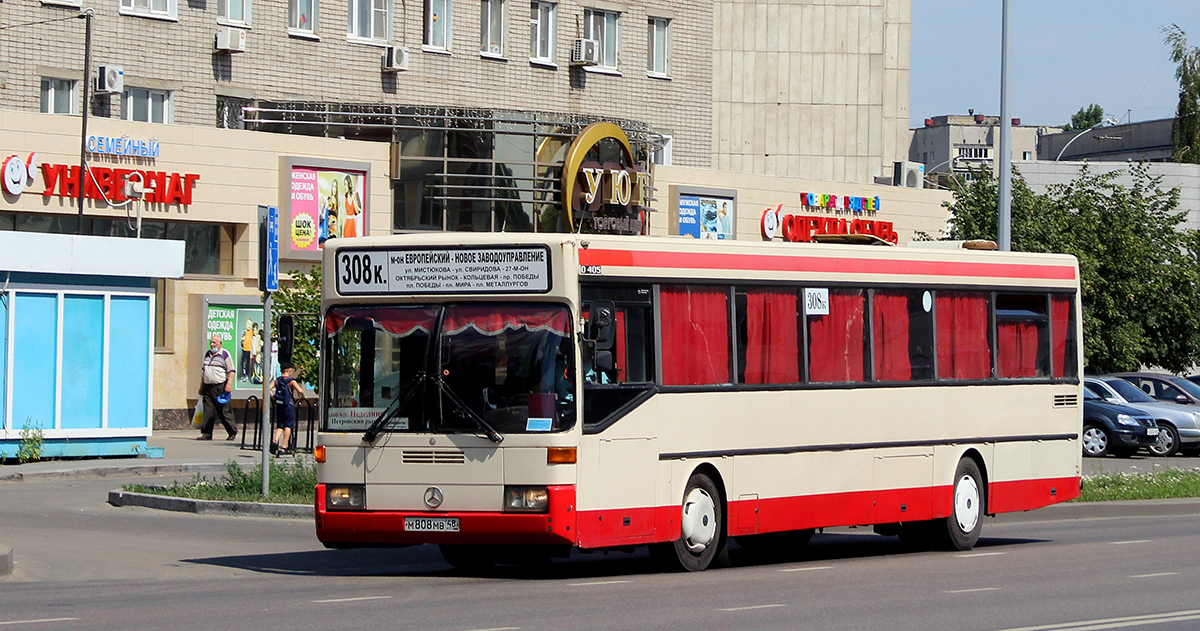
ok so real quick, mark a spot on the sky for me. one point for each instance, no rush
(1065, 55)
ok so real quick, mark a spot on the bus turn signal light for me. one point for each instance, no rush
(560, 455)
(319, 453)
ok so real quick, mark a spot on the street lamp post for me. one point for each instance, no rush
(1004, 214)
(1108, 122)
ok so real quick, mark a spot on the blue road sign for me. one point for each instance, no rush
(272, 283)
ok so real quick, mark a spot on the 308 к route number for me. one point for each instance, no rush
(358, 271)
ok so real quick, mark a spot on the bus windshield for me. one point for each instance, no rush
(446, 368)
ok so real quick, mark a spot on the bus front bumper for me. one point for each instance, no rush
(341, 528)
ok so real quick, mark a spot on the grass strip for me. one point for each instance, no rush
(291, 483)
(1160, 485)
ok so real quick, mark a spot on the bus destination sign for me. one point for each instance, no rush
(444, 271)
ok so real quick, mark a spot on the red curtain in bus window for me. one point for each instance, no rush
(772, 345)
(836, 340)
(889, 312)
(1016, 352)
(962, 336)
(1060, 322)
(695, 335)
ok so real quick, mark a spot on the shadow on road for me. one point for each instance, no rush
(425, 560)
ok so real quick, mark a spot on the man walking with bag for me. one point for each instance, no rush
(217, 380)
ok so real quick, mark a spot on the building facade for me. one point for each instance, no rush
(953, 145)
(372, 117)
(1144, 141)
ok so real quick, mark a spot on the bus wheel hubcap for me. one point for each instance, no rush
(699, 522)
(966, 503)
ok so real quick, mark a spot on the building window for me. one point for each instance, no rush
(234, 11)
(656, 48)
(58, 96)
(146, 106)
(302, 16)
(541, 32)
(491, 21)
(369, 19)
(1026, 155)
(149, 8)
(602, 27)
(437, 23)
(662, 154)
(229, 112)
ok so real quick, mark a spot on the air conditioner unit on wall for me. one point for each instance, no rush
(395, 59)
(231, 40)
(110, 79)
(908, 174)
(586, 52)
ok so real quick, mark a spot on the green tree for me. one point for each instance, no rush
(1086, 118)
(1140, 284)
(302, 298)
(1185, 133)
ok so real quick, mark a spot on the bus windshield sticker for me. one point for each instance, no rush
(535, 424)
(816, 301)
(350, 419)
(434, 271)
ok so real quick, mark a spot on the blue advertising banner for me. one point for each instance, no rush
(706, 216)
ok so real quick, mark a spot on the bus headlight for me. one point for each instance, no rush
(526, 499)
(345, 497)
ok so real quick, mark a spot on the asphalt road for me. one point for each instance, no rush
(81, 564)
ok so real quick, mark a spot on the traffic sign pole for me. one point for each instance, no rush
(268, 281)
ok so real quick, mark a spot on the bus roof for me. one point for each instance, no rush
(662, 259)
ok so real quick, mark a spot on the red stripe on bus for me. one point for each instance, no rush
(643, 525)
(777, 263)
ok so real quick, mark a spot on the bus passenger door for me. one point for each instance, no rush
(903, 487)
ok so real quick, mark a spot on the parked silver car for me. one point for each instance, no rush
(1179, 425)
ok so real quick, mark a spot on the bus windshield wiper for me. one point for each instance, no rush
(398, 403)
(488, 430)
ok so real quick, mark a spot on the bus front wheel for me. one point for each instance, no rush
(702, 527)
(965, 522)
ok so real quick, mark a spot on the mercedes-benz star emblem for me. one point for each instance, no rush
(433, 497)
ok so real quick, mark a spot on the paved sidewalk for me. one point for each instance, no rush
(182, 454)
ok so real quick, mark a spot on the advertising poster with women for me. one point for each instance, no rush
(326, 204)
(240, 328)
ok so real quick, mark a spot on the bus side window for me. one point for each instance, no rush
(695, 335)
(768, 336)
(1064, 350)
(837, 339)
(902, 333)
(1022, 336)
(963, 344)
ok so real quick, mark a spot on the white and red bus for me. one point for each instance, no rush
(558, 391)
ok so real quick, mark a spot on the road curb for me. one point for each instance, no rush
(114, 471)
(1106, 510)
(210, 507)
(6, 562)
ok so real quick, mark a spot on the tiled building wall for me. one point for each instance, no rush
(811, 88)
(178, 55)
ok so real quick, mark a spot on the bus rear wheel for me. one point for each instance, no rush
(702, 527)
(960, 531)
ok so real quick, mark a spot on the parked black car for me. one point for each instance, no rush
(1114, 429)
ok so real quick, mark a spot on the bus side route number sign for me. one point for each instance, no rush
(444, 271)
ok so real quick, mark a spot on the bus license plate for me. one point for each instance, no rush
(431, 524)
(1152, 431)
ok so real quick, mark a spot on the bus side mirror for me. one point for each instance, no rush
(602, 327)
(603, 361)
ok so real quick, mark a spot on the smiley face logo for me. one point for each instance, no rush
(15, 173)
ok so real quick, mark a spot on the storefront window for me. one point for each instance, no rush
(208, 248)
